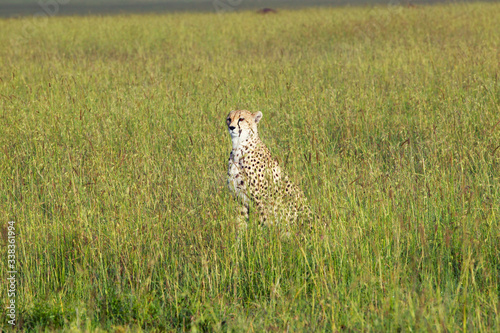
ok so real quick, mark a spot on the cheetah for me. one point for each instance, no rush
(255, 177)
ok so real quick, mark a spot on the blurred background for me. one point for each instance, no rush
(13, 8)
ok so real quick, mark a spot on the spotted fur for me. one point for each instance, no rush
(255, 177)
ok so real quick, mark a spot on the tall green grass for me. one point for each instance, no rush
(114, 154)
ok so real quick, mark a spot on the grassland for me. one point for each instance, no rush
(113, 166)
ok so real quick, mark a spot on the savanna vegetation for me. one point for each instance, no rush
(114, 153)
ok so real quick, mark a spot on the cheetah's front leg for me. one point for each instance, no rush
(243, 217)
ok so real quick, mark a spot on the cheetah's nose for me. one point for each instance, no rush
(232, 127)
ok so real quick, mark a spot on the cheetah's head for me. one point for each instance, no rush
(242, 124)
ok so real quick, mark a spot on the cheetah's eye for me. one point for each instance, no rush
(241, 119)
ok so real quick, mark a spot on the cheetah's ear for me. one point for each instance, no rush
(257, 116)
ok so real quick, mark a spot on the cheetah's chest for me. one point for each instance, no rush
(236, 176)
